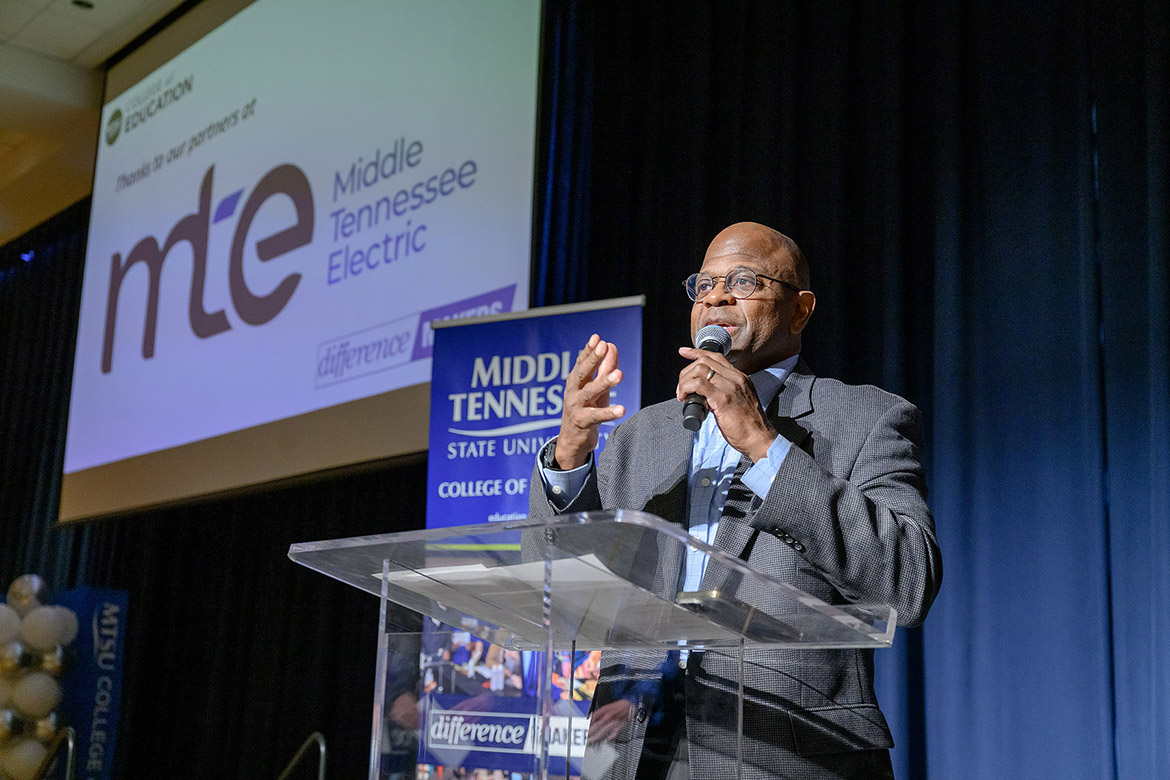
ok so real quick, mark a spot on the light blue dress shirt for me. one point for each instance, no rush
(712, 468)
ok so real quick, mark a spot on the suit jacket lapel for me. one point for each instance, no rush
(793, 401)
(669, 463)
(673, 446)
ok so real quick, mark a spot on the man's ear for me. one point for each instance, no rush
(802, 311)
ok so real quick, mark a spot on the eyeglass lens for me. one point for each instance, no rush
(741, 282)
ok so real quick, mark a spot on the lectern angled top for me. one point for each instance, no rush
(592, 580)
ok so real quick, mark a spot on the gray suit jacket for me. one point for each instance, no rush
(845, 520)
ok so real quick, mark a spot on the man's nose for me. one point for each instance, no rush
(719, 295)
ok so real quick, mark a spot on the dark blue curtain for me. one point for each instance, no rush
(1132, 95)
(39, 295)
(981, 188)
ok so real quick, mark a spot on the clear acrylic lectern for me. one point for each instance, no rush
(456, 689)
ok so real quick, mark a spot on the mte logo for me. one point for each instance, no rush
(253, 309)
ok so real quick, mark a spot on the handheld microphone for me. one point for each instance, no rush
(710, 338)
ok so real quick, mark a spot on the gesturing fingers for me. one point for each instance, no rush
(588, 418)
(596, 392)
(594, 374)
(586, 401)
(588, 360)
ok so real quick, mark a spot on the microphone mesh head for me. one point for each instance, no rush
(713, 338)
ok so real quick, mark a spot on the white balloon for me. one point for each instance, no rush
(9, 624)
(41, 627)
(36, 694)
(69, 626)
(22, 758)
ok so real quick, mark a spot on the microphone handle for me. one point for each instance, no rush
(694, 411)
(695, 407)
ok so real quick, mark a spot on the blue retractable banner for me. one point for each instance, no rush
(496, 397)
(497, 386)
(93, 683)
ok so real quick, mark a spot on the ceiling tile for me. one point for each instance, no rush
(105, 13)
(57, 35)
(137, 22)
(14, 15)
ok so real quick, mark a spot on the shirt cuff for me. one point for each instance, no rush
(561, 487)
(759, 477)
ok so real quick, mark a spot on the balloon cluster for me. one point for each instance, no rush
(33, 638)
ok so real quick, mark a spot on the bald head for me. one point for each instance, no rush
(761, 241)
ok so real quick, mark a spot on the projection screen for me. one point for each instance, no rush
(279, 212)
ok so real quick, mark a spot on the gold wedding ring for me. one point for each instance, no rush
(710, 374)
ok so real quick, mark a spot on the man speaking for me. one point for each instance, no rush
(810, 481)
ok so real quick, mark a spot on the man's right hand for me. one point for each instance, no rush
(587, 402)
(611, 722)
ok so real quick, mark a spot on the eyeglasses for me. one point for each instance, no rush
(740, 282)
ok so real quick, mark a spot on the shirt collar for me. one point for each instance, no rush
(768, 381)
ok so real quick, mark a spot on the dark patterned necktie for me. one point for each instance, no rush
(735, 536)
(739, 495)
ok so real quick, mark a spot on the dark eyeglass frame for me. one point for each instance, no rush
(691, 283)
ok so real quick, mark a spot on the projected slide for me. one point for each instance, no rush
(280, 211)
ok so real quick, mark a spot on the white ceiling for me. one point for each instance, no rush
(51, 70)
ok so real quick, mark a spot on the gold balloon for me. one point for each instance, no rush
(27, 592)
(8, 724)
(12, 657)
(53, 661)
(46, 727)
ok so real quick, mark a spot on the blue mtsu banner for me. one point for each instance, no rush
(93, 684)
(497, 389)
